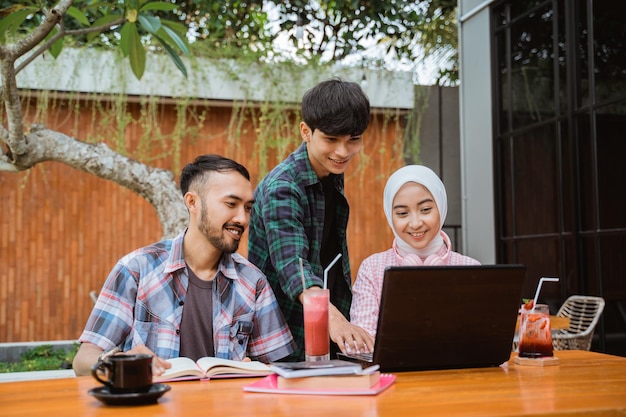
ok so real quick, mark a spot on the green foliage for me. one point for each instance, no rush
(241, 31)
(413, 125)
(401, 32)
(12, 19)
(42, 358)
(132, 25)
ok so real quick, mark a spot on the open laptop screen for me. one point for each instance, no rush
(447, 317)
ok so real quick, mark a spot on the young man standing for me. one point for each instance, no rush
(301, 213)
(192, 295)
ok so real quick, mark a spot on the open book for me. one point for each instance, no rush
(209, 367)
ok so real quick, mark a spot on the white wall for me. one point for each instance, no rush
(90, 70)
(477, 188)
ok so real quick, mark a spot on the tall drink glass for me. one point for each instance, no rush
(535, 334)
(316, 336)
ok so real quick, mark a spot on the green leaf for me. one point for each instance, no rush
(174, 56)
(150, 23)
(12, 22)
(171, 37)
(78, 15)
(56, 47)
(158, 5)
(104, 20)
(126, 37)
(175, 26)
(136, 51)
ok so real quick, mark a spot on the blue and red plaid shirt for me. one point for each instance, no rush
(142, 301)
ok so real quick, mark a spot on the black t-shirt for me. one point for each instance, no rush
(330, 247)
(196, 327)
(330, 240)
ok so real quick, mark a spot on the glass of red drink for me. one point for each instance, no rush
(316, 336)
(535, 334)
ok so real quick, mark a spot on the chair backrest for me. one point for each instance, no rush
(584, 311)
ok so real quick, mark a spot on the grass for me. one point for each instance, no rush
(41, 358)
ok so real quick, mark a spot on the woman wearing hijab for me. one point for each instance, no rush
(415, 205)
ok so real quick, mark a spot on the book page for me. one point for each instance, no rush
(215, 366)
(181, 367)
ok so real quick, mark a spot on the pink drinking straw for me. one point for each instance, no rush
(541, 281)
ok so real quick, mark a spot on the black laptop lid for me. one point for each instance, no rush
(447, 317)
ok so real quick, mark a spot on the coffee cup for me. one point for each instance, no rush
(125, 373)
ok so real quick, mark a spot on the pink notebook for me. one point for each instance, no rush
(268, 385)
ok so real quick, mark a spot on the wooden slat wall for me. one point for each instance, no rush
(62, 230)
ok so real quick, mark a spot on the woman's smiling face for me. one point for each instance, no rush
(415, 215)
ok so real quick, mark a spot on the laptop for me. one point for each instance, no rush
(446, 317)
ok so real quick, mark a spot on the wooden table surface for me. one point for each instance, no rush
(583, 384)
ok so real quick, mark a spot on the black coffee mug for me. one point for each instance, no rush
(125, 373)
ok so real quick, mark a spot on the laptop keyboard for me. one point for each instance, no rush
(360, 357)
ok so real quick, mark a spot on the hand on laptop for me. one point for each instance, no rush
(349, 338)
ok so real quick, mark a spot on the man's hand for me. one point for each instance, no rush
(349, 338)
(88, 353)
(159, 365)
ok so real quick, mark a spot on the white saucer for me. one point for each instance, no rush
(151, 396)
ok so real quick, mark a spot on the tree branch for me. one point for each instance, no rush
(154, 184)
(46, 45)
(13, 107)
(51, 18)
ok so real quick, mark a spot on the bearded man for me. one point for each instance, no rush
(192, 295)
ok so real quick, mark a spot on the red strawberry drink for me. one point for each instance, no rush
(535, 335)
(316, 337)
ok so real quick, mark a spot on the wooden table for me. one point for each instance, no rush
(584, 384)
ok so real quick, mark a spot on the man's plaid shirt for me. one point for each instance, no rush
(286, 224)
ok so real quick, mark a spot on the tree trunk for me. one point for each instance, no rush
(24, 151)
(154, 184)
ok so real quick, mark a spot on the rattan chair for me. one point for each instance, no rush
(584, 312)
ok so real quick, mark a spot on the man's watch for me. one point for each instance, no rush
(104, 355)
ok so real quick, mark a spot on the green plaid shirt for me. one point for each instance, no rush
(286, 224)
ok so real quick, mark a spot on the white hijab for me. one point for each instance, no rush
(426, 177)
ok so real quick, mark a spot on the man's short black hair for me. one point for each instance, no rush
(198, 171)
(337, 108)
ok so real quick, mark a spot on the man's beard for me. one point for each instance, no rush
(216, 239)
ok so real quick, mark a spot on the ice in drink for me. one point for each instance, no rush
(316, 336)
(535, 334)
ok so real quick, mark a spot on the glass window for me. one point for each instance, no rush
(610, 146)
(609, 45)
(560, 114)
(536, 182)
(503, 88)
(532, 68)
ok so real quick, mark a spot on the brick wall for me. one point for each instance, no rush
(62, 230)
